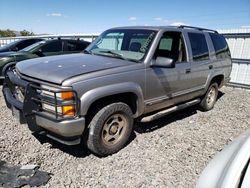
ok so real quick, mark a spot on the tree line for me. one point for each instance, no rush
(10, 33)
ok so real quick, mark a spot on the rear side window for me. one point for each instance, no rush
(220, 46)
(199, 46)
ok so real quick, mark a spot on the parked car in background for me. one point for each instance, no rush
(41, 49)
(127, 73)
(19, 44)
(230, 168)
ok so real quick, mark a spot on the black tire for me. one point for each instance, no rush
(208, 101)
(103, 130)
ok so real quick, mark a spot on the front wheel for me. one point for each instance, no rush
(208, 101)
(110, 129)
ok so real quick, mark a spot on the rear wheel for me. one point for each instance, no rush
(110, 129)
(208, 101)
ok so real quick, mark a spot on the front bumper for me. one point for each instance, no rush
(65, 130)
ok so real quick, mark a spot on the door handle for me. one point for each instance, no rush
(210, 66)
(188, 71)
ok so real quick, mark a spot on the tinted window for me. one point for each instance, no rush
(199, 46)
(54, 46)
(24, 44)
(75, 46)
(220, 46)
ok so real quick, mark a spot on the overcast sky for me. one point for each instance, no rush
(93, 16)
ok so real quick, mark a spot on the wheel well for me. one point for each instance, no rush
(128, 98)
(218, 79)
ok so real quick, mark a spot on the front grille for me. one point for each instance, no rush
(39, 99)
(48, 101)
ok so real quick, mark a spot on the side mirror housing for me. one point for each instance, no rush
(164, 62)
(39, 53)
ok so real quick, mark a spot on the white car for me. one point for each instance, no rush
(230, 168)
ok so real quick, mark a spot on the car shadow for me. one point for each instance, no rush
(220, 94)
(170, 118)
(165, 120)
(79, 150)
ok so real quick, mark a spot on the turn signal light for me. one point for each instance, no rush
(67, 95)
(68, 110)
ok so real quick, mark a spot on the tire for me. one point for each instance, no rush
(110, 129)
(208, 101)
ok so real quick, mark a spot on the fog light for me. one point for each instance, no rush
(68, 110)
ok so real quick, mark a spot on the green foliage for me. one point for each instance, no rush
(26, 33)
(7, 33)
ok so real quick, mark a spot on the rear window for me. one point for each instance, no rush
(220, 46)
(199, 46)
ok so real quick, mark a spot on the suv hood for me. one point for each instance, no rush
(56, 69)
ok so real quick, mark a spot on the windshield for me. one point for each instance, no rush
(33, 46)
(129, 44)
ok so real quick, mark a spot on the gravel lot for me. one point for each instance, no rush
(169, 152)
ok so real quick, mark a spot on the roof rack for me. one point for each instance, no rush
(198, 28)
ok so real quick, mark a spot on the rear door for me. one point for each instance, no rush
(201, 65)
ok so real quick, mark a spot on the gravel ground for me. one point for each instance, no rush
(169, 152)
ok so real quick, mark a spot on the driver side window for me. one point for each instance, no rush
(172, 46)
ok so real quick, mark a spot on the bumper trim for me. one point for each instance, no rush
(13, 78)
(11, 100)
(65, 128)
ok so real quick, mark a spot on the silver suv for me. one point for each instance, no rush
(127, 73)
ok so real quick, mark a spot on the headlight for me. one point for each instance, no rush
(68, 97)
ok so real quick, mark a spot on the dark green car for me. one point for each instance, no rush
(41, 49)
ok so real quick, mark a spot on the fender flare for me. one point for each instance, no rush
(88, 98)
(211, 76)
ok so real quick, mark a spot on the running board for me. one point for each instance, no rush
(169, 110)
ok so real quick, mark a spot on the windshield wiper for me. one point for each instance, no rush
(117, 55)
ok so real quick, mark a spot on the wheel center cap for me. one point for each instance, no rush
(113, 129)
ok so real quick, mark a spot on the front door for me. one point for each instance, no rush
(166, 86)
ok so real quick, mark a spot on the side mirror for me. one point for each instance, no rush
(164, 62)
(39, 53)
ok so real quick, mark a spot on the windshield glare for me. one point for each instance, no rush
(131, 44)
(33, 46)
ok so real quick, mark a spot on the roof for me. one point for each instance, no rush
(157, 28)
